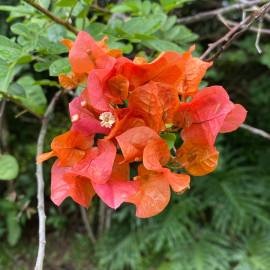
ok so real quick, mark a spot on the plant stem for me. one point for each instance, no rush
(40, 183)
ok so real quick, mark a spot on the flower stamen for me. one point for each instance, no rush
(107, 119)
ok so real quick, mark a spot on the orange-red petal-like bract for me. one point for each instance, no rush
(120, 123)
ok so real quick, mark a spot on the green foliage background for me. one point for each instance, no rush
(221, 223)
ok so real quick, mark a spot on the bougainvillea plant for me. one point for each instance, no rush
(122, 121)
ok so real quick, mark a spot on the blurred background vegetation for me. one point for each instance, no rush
(221, 223)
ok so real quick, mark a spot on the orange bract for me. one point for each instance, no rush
(118, 88)
(71, 80)
(156, 103)
(87, 54)
(167, 68)
(155, 155)
(153, 195)
(69, 147)
(204, 115)
(118, 188)
(133, 141)
(194, 71)
(197, 159)
(65, 183)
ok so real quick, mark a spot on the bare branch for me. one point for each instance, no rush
(58, 20)
(223, 43)
(40, 184)
(258, 37)
(212, 13)
(87, 225)
(229, 24)
(256, 131)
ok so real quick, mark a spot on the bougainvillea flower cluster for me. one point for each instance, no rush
(116, 147)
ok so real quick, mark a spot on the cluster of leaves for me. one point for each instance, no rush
(223, 222)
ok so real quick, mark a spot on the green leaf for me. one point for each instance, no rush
(20, 29)
(9, 167)
(132, 6)
(48, 47)
(169, 138)
(9, 50)
(162, 45)
(66, 3)
(96, 30)
(143, 25)
(59, 66)
(7, 73)
(30, 95)
(56, 33)
(168, 5)
(14, 229)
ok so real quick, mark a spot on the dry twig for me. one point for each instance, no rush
(256, 131)
(40, 184)
(230, 23)
(87, 225)
(212, 13)
(223, 43)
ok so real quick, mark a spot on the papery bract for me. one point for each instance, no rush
(69, 147)
(194, 71)
(71, 80)
(86, 54)
(205, 115)
(133, 141)
(234, 119)
(124, 120)
(64, 183)
(84, 119)
(153, 195)
(167, 68)
(156, 154)
(156, 103)
(118, 188)
(197, 159)
(98, 163)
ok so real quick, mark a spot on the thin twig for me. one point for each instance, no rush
(223, 43)
(212, 13)
(230, 23)
(258, 37)
(108, 218)
(87, 225)
(58, 20)
(256, 131)
(40, 184)
(101, 218)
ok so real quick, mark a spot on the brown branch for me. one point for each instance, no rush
(87, 225)
(212, 13)
(229, 24)
(58, 20)
(223, 43)
(256, 131)
(40, 184)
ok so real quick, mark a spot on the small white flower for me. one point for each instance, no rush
(74, 117)
(107, 119)
(83, 103)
